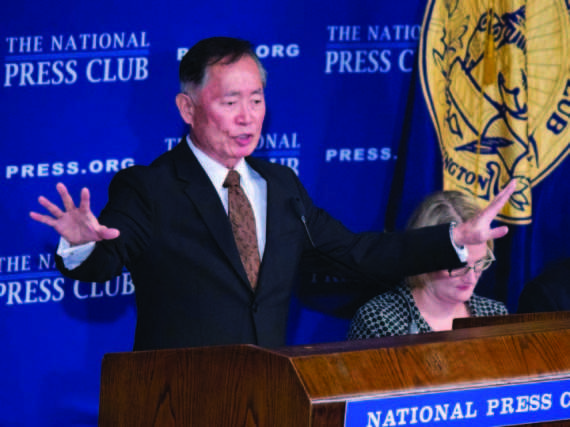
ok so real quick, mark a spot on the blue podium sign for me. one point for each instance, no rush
(537, 401)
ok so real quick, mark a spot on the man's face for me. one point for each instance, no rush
(227, 113)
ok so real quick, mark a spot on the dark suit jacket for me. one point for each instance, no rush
(191, 288)
(549, 291)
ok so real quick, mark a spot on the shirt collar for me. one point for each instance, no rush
(216, 171)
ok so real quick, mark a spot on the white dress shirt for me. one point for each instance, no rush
(254, 186)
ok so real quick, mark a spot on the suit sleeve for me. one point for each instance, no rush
(129, 209)
(379, 256)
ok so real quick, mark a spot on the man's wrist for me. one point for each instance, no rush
(462, 252)
(73, 256)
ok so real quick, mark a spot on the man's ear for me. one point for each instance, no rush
(185, 107)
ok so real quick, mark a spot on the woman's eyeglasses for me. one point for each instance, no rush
(478, 267)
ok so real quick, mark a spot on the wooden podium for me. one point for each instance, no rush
(245, 385)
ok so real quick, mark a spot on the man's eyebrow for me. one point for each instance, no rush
(238, 93)
(232, 93)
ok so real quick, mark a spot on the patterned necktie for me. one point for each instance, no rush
(243, 226)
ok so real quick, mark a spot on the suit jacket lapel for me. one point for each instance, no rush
(274, 217)
(204, 196)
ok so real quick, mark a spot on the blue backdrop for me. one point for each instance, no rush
(88, 88)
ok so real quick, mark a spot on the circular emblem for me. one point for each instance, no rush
(496, 78)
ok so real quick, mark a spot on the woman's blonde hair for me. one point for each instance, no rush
(442, 207)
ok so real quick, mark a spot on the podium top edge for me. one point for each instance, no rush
(520, 326)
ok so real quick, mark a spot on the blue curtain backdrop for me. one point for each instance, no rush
(88, 88)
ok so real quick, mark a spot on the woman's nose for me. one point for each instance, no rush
(471, 277)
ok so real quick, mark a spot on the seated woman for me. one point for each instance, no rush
(429, 302)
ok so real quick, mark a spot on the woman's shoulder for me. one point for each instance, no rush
(384, 302)
(386, 314)
(483, 306)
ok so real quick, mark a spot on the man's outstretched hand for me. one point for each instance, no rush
(77, 225)
(478, 229)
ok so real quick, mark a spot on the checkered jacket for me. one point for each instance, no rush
(388, 314)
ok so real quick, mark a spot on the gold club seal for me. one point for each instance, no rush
(496, 79)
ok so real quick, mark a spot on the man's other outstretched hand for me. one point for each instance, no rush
(77, 225)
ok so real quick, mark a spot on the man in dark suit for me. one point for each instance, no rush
(168, 222)
(549, 291)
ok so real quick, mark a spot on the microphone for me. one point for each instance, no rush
(348, 270)
(300, 211)
(412, 325)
